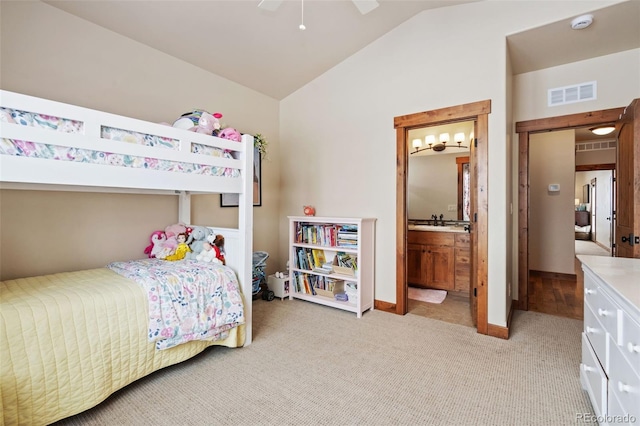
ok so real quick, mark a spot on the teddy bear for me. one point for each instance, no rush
(208, 124)
(208, 254)
(198, 236)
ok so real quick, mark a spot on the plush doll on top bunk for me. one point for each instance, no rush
(180, 251)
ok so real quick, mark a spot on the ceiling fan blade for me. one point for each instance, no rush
(364, 6)
(270, 5)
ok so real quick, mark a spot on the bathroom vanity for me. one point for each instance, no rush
(439, 257)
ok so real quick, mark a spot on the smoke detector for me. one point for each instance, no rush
(582, 22)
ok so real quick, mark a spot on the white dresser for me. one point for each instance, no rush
(610, 368)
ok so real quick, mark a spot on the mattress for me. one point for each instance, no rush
(69, 340)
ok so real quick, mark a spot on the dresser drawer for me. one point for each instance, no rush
(624, 382)
(593, 379)
(604, 308)
(597, 336)
(630, 340)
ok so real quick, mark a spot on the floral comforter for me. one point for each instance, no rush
(188, 300)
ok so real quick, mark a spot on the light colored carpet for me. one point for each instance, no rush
(427, 295)
(315, 365)
(589, 247)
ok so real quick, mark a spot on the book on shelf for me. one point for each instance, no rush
(319, 258)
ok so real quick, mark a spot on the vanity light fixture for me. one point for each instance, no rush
(602, 130)
(430, 142)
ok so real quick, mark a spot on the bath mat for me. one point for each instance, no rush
(427, 295)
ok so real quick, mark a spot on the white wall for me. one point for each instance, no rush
(551, 217)
(338, 129)
(48, 53)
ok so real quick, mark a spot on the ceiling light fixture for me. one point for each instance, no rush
(602, 130)
(302, 27)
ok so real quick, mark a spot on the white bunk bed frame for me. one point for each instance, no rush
(22, 172)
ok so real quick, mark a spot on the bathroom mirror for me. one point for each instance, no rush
(438, 180)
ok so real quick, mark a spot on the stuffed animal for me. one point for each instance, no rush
(182, 249)
(157, 239)
(231, 134)
(208, 254)
(217, 243)
(171, 233)
(208, 124)
(198, 236)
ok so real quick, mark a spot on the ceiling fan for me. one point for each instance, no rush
(364, 6)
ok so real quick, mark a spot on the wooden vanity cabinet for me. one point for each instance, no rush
(431, 259)
(438, 260)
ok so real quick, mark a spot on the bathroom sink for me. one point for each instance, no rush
(448, 228)
(428, 228)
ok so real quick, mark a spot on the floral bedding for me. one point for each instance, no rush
(54, 152)
(188, 300)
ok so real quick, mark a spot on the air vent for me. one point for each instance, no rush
(571, 94)
(595, 146)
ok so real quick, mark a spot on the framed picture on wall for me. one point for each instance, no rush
(233, 200)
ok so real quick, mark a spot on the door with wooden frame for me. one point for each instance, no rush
(478, 112)
(627, 204)
(627, 214)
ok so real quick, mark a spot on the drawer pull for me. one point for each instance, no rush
(590, 330)
(623, 388)
(603, 312)
(587, 369)
(589, 291)
(633, 348)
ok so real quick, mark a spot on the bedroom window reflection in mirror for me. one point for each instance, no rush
(464, 185)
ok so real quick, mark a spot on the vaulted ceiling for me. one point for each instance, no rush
(267, 52)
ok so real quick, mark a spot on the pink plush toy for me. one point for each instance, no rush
(231, 134)
(158, 238)
(207, 123)
(172, 232)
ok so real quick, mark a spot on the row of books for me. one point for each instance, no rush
(348, 236)
(317, 284)
(312, 259)
(330, 235)
(315, 260)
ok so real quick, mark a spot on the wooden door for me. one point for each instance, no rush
(473, 259)
(627, 218)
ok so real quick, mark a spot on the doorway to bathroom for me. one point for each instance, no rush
(478, 113)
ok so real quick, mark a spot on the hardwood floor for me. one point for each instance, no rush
(556, 294)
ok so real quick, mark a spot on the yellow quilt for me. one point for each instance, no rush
(69, 340)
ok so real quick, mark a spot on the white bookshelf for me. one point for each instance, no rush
(358, 282)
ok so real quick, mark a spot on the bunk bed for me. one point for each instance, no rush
(69, 340)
